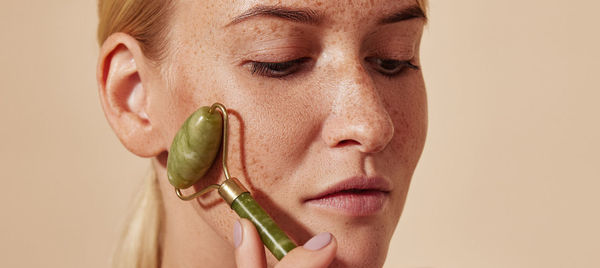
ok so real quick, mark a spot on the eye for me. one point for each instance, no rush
(277, 69)
(389, 67)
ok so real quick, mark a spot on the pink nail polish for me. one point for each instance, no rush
(318, 241)
(237, 233)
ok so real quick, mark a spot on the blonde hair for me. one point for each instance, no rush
(147, 22)
(144, 20)
(140, 241)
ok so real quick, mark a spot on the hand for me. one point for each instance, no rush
(318, 252)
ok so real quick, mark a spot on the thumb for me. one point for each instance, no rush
(318, 252)
(249, 250)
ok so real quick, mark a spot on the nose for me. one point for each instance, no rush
(358, 116)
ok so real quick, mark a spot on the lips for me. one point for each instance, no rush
(356, 196)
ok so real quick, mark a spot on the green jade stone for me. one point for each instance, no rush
(272, 236)
(194, 148)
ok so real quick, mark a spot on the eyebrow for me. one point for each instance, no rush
(305, 16)
(309, 16)
(411, 12)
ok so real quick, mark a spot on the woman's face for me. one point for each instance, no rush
(327, 104)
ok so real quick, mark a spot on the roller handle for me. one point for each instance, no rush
(271, 235)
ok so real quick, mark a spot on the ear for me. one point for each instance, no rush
(125, 96)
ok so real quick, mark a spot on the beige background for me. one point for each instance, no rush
(509, 178)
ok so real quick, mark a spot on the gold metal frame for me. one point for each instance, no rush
(231, 188)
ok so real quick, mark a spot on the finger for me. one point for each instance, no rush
(318, 252)
(249, 251)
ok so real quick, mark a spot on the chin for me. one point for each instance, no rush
(356, 253)
(354, 262)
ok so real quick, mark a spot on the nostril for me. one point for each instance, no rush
(347, 143)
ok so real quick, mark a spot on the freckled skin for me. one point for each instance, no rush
(291, 138)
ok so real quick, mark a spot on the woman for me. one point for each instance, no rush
(328, 119)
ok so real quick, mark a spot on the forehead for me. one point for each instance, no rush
(220, 13)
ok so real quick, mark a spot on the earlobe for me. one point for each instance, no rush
(124, 96)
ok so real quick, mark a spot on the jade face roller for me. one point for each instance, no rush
(193, 151)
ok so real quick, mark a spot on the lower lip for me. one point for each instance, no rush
(351, 203)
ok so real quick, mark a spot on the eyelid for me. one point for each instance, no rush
(277, 53)
(392, 50)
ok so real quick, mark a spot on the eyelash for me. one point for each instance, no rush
(287, 68)
(401, 64)
(277, 69)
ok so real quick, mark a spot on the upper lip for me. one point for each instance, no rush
(356, 183)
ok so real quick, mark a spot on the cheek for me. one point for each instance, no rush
(274, 125)
(408, 112)
(187, 86)
(276, 136)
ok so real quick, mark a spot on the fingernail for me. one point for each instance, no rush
(318, 241)
(237, 233)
